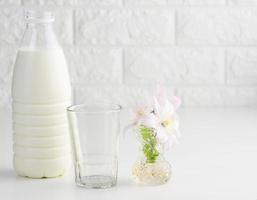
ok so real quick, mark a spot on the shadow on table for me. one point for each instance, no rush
(125, 182)
(8, 174)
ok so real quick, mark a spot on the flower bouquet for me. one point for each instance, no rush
(156, 125)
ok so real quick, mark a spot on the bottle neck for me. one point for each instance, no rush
(39, 33)
(39, 25)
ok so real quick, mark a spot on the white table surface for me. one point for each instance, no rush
(216, 159)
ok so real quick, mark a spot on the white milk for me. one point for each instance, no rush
(41, 92)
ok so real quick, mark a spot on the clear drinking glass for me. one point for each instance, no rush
(94, 133)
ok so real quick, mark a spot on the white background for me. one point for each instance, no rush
(205, 50)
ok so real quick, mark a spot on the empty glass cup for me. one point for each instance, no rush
(94, 136)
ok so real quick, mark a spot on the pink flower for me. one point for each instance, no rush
(167, 121)
(160, 114)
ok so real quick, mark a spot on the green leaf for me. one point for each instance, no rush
(149, 143)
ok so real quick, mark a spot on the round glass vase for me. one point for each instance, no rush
(151, 168)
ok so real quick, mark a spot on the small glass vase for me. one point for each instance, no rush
(151, 168)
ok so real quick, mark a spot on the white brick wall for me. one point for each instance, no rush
(203, 50)
(174, 66)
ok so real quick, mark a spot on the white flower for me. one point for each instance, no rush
(160, 114)
(143, 108)
(148, 120)
(167, 121)
(141, 112)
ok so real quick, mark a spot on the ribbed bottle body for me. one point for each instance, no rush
(41, 92)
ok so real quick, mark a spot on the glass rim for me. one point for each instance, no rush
(94, 108)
